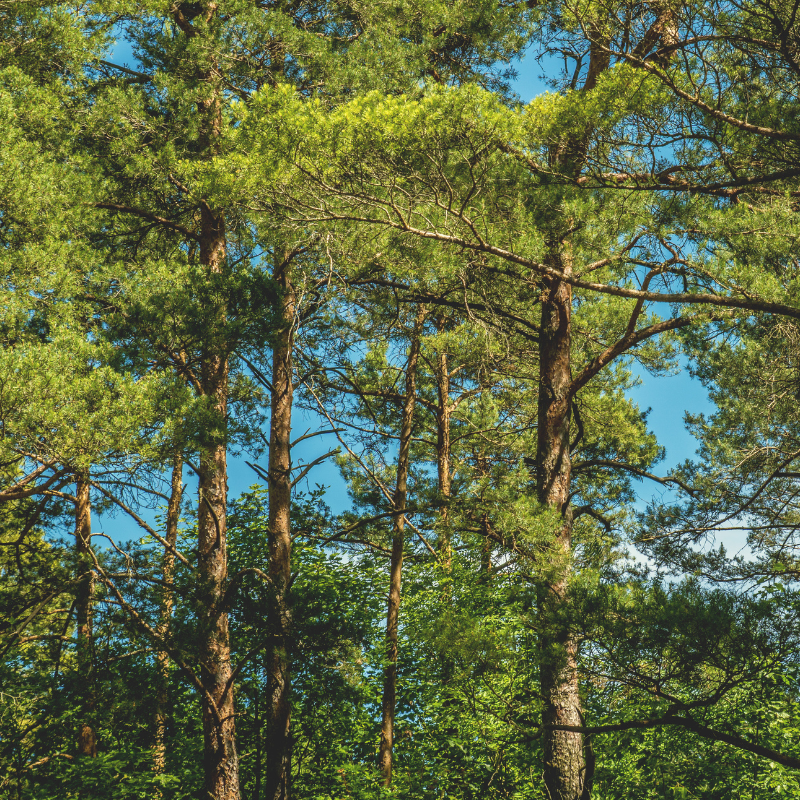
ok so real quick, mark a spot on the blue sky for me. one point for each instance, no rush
(669, 397)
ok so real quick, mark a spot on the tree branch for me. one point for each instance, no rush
(687, 722)
(140, 212)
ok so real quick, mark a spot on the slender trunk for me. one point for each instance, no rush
(165, 617)
(396, 564)
(278, 712)
(443, 411)
(257, 793)
(564, 768)
(220, 759)
(86, 736)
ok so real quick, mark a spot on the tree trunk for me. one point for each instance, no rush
(278, 711)
(443, 411)
(564, 765)
(220, 759)
(86, 736)
(566, 774)
(257, 791)
(396, 564)
(165, 617)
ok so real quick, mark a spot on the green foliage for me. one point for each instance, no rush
(378, 150)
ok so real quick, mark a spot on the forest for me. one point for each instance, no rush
(322, 474)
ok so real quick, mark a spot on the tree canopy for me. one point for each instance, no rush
(328, 243)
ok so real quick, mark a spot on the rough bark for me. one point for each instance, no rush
(278, 711)
(385, 751)
(569, 758)
(566, 775)
(220, 759)
(165, 617)
(564, 768)
(86, 735)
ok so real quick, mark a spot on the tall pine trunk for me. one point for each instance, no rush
(278, 711)
(220, 759)
(385, 752)
(566, 775)
(165, 617)
(564, 767)
(444, 410)
(86, 735)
